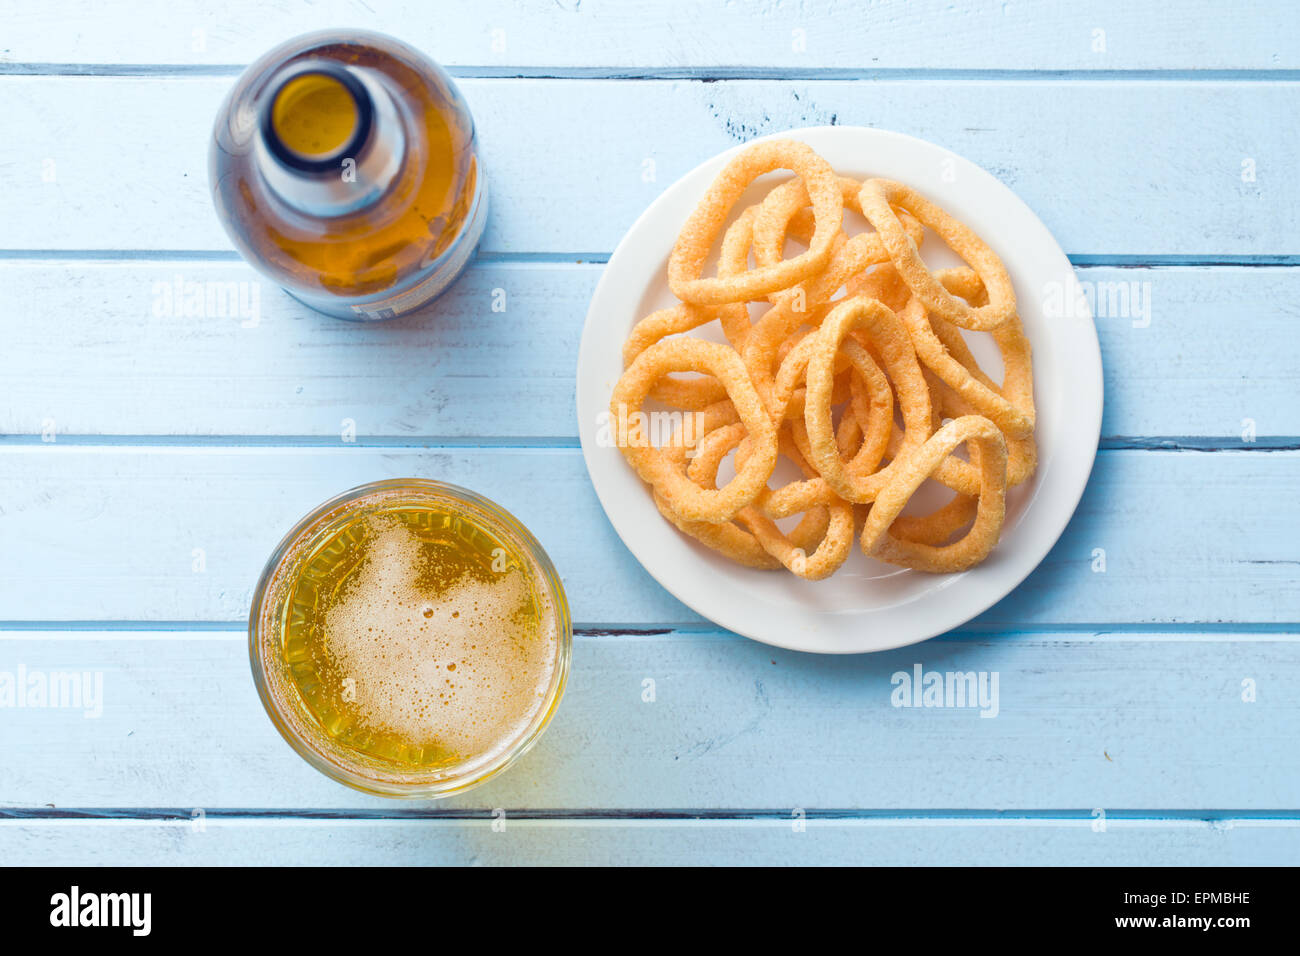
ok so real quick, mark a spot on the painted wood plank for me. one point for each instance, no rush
(108, 349)
(120, 162)
(656, 34)
(114, 533)
(220, 842)
(127, 359)
(710, 720)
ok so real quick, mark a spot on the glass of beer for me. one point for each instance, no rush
(410, 638)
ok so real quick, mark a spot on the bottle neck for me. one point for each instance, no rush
(330, 141)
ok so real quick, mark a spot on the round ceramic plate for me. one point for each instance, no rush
(866, 605)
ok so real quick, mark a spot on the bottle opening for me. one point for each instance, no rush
(319, 115)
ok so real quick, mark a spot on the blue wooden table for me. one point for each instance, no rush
(156, 444)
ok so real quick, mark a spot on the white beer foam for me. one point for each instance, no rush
(466, 669)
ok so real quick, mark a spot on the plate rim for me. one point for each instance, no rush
(1072, 492)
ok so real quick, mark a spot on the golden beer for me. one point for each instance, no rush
(410, 638)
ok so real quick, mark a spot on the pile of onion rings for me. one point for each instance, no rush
(857, 372)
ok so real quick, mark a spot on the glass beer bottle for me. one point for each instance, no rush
(344, 166)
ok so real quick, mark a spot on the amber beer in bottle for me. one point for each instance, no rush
(344, 166)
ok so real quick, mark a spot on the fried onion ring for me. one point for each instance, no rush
(879, 196)
(687, 499)
(686, 262)
(988, 450)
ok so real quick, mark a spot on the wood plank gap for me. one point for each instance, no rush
(711, 74)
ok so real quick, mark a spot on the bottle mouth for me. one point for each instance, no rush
(319, 114)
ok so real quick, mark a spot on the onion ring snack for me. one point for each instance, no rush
(878, 196)
(687, 499)
(704, 224)
(850, 360)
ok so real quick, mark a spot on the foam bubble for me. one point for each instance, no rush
(466, 669)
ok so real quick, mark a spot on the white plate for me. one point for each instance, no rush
(866, 605)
